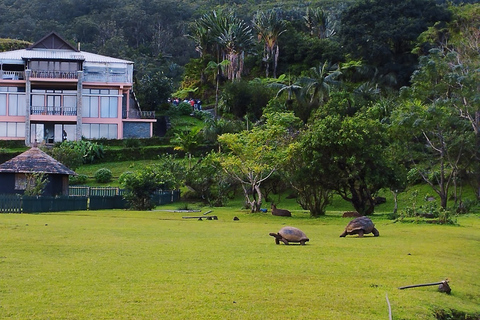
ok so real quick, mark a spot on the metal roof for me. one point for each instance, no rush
(55, 54)
(34, 160)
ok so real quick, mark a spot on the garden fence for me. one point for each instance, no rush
(80, 198)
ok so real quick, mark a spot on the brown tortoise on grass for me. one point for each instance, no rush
(290, 234)
(360, 226)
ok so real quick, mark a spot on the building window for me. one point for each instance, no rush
(20, 181)
(12, 129)
(101, 103)
(3, 104)
(109, 107)
(16, 105)
(99, 131)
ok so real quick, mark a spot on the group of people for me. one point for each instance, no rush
(195, 103)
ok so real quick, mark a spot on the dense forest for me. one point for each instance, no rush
(340, 98)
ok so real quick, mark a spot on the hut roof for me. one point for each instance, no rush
(34, 160)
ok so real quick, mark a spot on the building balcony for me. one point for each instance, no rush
(12, 75)
(44, 74)
(135, 114)
(53, 111)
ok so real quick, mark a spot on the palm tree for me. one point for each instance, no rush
(224, 36)
(317, 86)
(218, 67)
(269, 28)
(318, 23)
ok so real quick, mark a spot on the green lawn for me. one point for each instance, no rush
(155, 265)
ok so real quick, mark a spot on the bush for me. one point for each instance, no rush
(78, 179)
(103, 175)
(183, 109)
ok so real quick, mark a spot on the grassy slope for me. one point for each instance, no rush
(156, 265)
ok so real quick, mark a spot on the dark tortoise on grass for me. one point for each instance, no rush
(360, 226)
(290, 234)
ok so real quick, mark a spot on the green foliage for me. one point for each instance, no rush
(90, 151)
(208, 181)
(182, 109)
(36, 183)
(241, 98)
(11, 44)
(103, 175)
(187, 141)
(68, 156)
(166, 173)
(383, 33)
(78, 179)
(347, 154)
(252, 156)
(153, 90)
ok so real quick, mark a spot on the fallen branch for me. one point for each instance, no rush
(442, 286)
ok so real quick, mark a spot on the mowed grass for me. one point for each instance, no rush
(117, 264)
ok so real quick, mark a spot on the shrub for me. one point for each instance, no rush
(78, 179)
(183, 109)
(103, 175)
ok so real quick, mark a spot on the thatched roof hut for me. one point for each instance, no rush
(13, 172)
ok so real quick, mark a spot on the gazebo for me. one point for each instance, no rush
(13, 173)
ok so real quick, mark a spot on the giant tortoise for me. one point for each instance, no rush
(290, 234)
(360, 226)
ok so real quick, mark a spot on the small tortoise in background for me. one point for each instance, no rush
(290, 234)
(360, 226)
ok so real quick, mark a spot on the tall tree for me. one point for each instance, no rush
(450, 73)
(269, 28)
(224, 36)
(318, 23)
(345, 150)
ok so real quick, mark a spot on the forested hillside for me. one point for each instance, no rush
(153, 33)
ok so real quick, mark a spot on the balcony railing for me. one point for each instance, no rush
(12, 75)
(53, 111)
(43, 74)
(106, 77)
(135, 114)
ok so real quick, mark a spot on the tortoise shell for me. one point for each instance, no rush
(360, 226)
(290, 234)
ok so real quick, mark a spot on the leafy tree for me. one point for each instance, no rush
(153, 90)
(308, 182)
(207, 179)
(345, 151)
(383, 33)
(70, 157)
(437, 139)
(450, 73)
(242, 98)
(251, 157)
(141, 185)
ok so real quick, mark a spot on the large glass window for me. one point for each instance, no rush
(3, 104)
(98, 131)
(101, 103)
(16, 105)
(109, 107)
(90, 107)
(12, 129)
